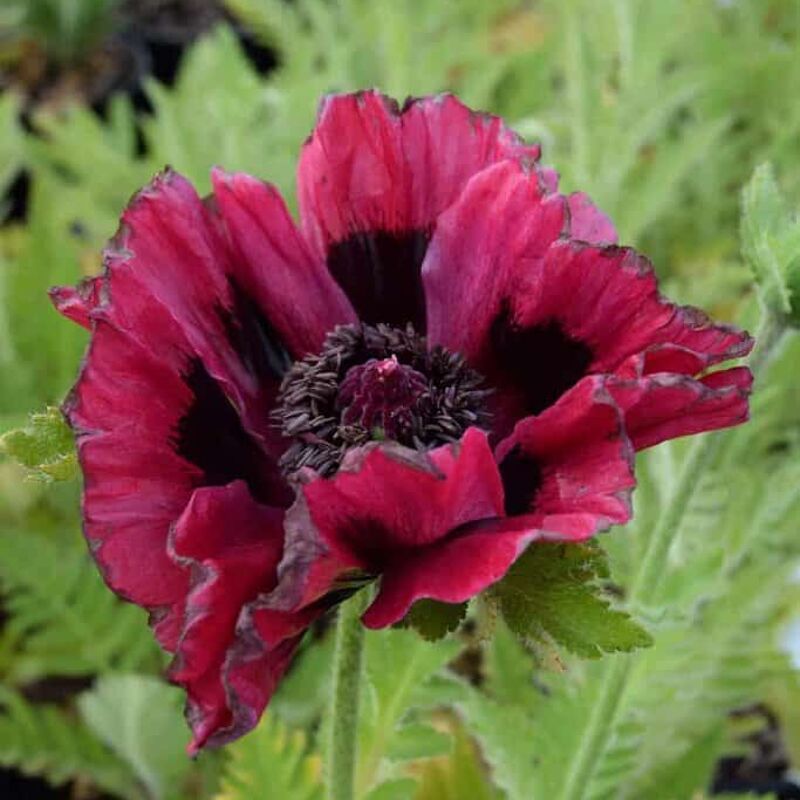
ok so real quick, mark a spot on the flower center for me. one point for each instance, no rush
(381, 397)
(373, 383)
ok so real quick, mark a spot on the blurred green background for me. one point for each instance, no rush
(661, 111)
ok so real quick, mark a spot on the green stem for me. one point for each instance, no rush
(615, 675)
(614, 679)
(769, 336)
(347, 669)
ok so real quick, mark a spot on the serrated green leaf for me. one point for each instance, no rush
(140, 718)
(45, 446)
(271, 761)
(551, 592)
(433, 620)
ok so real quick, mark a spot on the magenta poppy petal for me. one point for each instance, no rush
(251, 681)
(173, 285)
(591, 291)
(231, 545)
(371, 165)
(276, 268)
(171, 396)
(451, 570)
(78, 302)
(445, 143)
(170, 265)
(135, 486)
(665, 406)
(573, 458)
(662, 358)
(495, 235)
(372, 180)
(385, 505)
(132, 413)
(474, 557)
(502, 226)
(504, 222)
(535, 312)
(266, 640)
(588, 223)
(387, 499)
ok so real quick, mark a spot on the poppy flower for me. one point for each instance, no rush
(445, 362)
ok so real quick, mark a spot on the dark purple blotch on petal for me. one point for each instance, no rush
(211, 436)
(253, 337)
(522, 477)
(540, 362)
(379, 272)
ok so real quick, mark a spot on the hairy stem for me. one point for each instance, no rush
(347, 670)
(768, 339)
(614, 679)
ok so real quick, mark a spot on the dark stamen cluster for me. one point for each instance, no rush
(442, 396)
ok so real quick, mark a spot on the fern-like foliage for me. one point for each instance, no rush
(393, 728)
(62, 619)
(272, 761)
(50, 743)
(66, 31)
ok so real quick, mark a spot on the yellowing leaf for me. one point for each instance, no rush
(272, 761)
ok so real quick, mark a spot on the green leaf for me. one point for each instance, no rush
(45, 446)
(45, 741)
(139, 717)
(303, 693)
(272, 761)
(40, 357)
(418, 741)
(551, 592)
(218, 83)
(460, 776)
(509, 669)
(62, 619)
(771, 243)
(398, 668)
(689, 774)
(507, 735)
(67, 31)
(433, 620)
